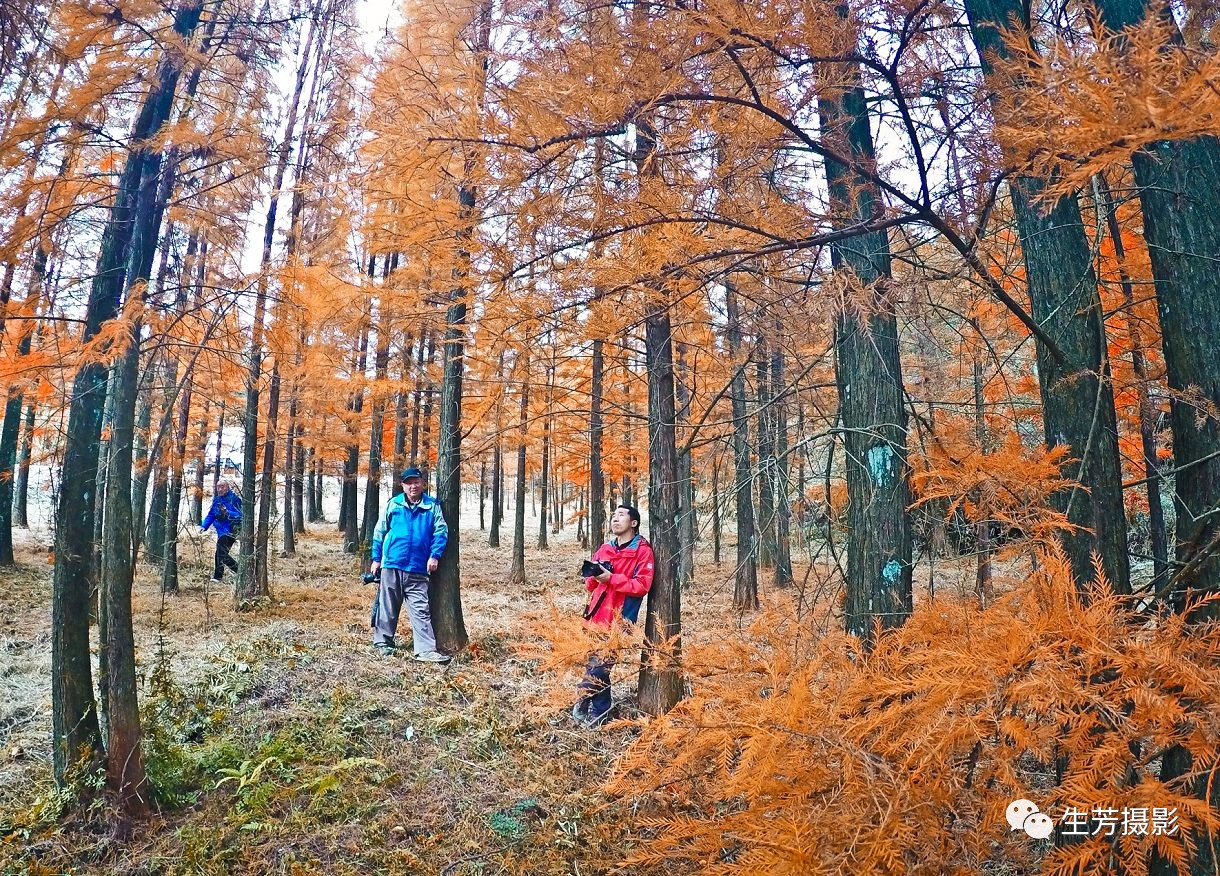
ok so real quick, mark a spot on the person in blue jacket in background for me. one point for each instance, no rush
(225, 517)
(408, 543)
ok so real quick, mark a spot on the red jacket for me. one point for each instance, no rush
(631, 573)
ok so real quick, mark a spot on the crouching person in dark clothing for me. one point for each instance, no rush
(614, 593)
(225, 517)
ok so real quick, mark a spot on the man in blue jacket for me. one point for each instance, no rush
(225, 517)
(408, 542)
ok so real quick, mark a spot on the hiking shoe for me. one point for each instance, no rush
(383, 650)
(580, 712)
(433, 657)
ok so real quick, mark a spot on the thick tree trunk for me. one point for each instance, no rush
(125, 765)
(745, 586)
(445, 595)
(869, 377)
(74, 717)
(1077, 399)
(660, 671)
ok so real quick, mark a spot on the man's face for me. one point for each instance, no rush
(621, 523)
(222, 488)
(414, 488)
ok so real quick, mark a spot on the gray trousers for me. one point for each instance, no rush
(396, 587)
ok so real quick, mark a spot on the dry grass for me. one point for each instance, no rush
(370, 764)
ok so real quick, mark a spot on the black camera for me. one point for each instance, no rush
(222, 513)
(590, 569)
(371, 577)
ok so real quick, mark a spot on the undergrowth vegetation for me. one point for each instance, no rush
(798, 753)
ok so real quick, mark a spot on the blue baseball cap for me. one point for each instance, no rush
(412, 472)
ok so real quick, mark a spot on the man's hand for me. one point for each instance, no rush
(433, 564)
(375, 568)
(603, 578)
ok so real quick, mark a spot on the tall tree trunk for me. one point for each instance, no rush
(783, 508)
(982, 529)
(8, 459)
(745, 581)
(1177, 181)
(516, 574)
(381, 370)
(298, 478)
(686, 482)
(716, 509)
(546, 458)
(125, 765)
(597, 483)
(169, 571)
(262, 537)
(249, 590)
(869, 377)
(21, 514)
(445, 595)
(1077, 399)
(196, 512)
(766, 454)
(497, 487)
(400, 420)
(75, 731)
(425, 449)
(289, 531)
(418, 396)
(311, 497)
(349, 522)
(1147, 413)
(660, 673)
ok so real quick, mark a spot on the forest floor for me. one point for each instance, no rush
(279, 742)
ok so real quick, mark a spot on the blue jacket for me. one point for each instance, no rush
(228, 522)
(405, 536)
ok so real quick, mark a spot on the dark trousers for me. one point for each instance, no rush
(595, 686)
(224, 544)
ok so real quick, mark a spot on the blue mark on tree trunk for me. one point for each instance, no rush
(892, 572)
(881, 464)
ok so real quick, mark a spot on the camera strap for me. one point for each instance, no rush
(592, 608)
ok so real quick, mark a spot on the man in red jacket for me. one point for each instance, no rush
(614, 593)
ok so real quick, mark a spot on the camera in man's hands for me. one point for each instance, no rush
(222, 513)
(590, 569)
(371, 577)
